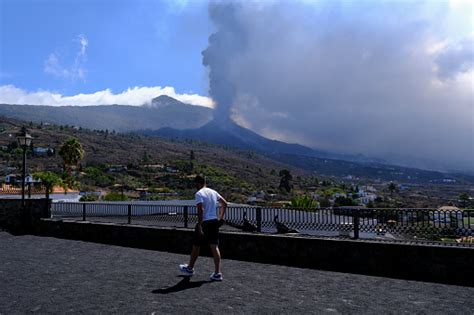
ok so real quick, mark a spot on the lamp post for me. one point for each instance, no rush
(24, 140)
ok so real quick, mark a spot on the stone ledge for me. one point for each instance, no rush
(450, 265)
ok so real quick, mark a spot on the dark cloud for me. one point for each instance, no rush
(355, 77)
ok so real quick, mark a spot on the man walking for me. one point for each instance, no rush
(211, 210)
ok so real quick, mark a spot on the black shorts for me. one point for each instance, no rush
(210, 229)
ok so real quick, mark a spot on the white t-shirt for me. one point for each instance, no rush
(209, 199)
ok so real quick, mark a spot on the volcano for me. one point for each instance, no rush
(228, 133)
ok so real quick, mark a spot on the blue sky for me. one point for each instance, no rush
(72, 47)
(387, 78)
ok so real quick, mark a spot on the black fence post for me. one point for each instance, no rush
(47, 212)
(186, 216)
(129, 214)
(259, 219)
(355, 221)
(84, 211)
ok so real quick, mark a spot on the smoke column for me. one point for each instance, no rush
(388, 79)
(224, 47)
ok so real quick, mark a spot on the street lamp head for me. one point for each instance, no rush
(24, 139)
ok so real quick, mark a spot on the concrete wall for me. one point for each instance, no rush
(15, 219)
(453, 265)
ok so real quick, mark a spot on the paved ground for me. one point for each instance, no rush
(48, 275)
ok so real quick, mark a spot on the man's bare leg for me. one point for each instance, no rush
(217, 257)
(194, 256)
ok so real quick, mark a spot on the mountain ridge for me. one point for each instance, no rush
(228, 133)
(161, 112)
(167, 117)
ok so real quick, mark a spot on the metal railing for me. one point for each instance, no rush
(428, 225)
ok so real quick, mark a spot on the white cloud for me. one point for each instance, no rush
(55, 63)
(135, 96)
(84, 42)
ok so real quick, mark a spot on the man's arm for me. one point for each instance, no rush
(222, 208)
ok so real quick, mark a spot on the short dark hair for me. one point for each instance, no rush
(200, 179)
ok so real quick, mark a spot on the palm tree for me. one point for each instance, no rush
(50, 180)
(72, 153)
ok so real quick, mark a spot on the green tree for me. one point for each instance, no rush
(285, 180)
(392, 187)
(50, 180)
(72, 153)
(464, 199)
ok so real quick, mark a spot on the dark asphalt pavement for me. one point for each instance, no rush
(48, 275)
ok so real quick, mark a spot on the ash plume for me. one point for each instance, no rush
(225, 45)
(386, 79)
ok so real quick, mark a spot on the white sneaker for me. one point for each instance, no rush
(186, 270)
(216, 277)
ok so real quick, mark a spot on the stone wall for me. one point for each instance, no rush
(451, 265)
(17, 220)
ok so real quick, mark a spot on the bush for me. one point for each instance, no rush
(93, 172)
(344, 202)
(324, 203)
(115, 196)
(89, 198)
(304, 202)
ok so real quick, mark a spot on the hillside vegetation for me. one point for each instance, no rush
(115, 162)
(135, 161)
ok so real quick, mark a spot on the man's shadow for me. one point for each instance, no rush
(184, 284)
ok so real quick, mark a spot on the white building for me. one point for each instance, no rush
(10, 179)
(367, 198)
(13, 178)
(40, 151)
